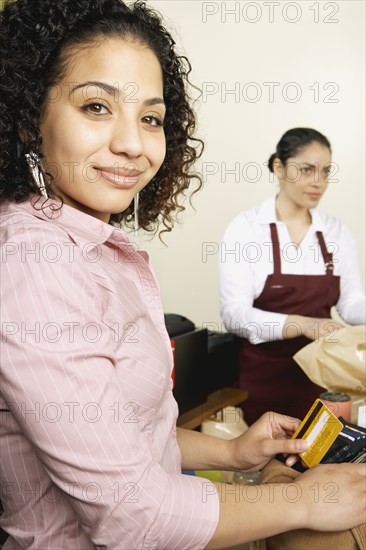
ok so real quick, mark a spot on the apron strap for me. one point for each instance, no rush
(275, 248)
(327, 256)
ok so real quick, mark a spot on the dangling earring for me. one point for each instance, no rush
(33, 161)
(136, 214)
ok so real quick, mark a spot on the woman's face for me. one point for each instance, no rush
(304, 179)
(102, 128)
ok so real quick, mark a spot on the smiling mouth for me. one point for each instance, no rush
(119, 177)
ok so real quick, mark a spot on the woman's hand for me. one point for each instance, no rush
(311, 327)
(269, 435)
(334, 495)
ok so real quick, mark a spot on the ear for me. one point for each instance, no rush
(278, 168)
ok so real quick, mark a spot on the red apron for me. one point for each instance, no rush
(273, 379)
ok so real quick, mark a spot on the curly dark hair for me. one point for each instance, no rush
(37, 38)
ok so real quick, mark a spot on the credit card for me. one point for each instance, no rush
(320, 428)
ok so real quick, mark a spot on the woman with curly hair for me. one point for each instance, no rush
(95, 114)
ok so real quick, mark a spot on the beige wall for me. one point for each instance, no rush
(304, 64)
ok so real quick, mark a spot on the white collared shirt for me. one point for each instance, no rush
(246, 259)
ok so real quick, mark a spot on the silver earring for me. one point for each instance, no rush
(33, 161)
(136, 213)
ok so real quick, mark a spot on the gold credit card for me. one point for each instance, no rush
(320, 428)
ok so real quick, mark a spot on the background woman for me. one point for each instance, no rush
(296, 263)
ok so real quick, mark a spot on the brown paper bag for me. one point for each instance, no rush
(337, 361)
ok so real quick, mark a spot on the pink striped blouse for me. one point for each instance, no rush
(89, 457)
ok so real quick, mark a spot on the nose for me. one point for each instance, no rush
(126, 138)
(317, 181)
(320, 178)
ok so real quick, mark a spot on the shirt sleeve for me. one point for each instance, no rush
(237, 289)
(59, 382)
(351, 305)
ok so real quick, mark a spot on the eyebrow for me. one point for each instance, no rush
(326, 167)
(114, 91)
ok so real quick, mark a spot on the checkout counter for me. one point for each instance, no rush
(205, 370)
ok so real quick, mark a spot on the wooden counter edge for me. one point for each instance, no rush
(215, 401)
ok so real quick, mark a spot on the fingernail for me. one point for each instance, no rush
(291, 461)
(302, 445)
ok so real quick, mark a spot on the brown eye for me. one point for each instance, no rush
(306, 170)
(153, 120)
(95, 108)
